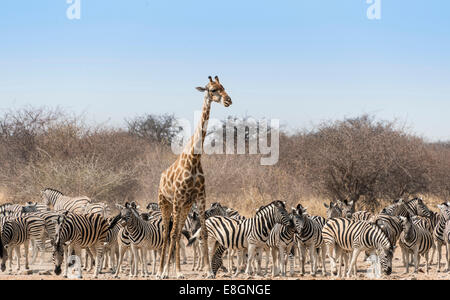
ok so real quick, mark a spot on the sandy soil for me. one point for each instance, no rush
(45, 272)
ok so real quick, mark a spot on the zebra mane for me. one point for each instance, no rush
(265, 208)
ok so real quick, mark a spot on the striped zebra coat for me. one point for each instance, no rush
(309, 236)
(57, 201)
(280, 242)
(413, 207)
(341, 234)
(416, 240)
(251, 234)
(80, 231)
(17, 231)
(445, 220)
(143, 235)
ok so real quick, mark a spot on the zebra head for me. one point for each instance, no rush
(385, 254)
(128, 212)
(29, 207)
(348, 208)
(58, 247)
(445, 211)
(407, 225)
(299, 216)
(422, 209)
(333, 210)
(281, 215)
(153, 206)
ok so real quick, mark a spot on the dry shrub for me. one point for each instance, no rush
(369, 161)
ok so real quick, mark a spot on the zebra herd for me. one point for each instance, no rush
(67, 226)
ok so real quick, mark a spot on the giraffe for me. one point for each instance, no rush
(183, 183)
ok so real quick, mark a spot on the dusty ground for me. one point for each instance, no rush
(45, 271)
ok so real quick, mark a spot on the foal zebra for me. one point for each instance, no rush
(342, 234)
(251, 234)
(57, 201)
(80, 231)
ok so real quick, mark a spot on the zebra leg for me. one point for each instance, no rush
(332, 254)
(448, 255)
(259, 251)
(416, 259)
(18, 256)
(27, 266)
(355, 254)
(251, 257)
(324, 254)
(183, 252)
(291, 257)
(439, 253)
(144, 262)
(154, 253)
(99, 258)
(122, 250)
(427, 262)
(274, 262)
(77, 250)
(10, 255)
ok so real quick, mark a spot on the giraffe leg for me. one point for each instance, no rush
(182, 220)
(201, 205)
(166, 208)
(173, 234)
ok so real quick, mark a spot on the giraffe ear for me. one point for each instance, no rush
(201, 89)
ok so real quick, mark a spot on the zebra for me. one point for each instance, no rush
(17, 231)
(309, 235)
(445, 233)
(391, 225)
(57, 201)
(80, 231)
(192, 225)
(362, 215)
(333, 210)
(143, 235)
(345, 235)
(250, 234)
(414, 206)
(280, 243)
(16, 210)
(96, 208)
(416, 240)
(153, 206)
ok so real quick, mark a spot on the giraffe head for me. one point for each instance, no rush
(216, 92)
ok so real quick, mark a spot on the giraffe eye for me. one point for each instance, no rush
(213, 90)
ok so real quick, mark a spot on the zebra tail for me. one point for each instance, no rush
(194, 237)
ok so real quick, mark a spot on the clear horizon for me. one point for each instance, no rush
(301, 62)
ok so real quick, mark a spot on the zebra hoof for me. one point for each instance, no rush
(180, 276)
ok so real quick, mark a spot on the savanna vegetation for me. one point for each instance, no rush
(363, 159)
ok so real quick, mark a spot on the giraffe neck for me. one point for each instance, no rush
(195, 147)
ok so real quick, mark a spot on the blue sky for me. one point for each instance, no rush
(299, 61)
